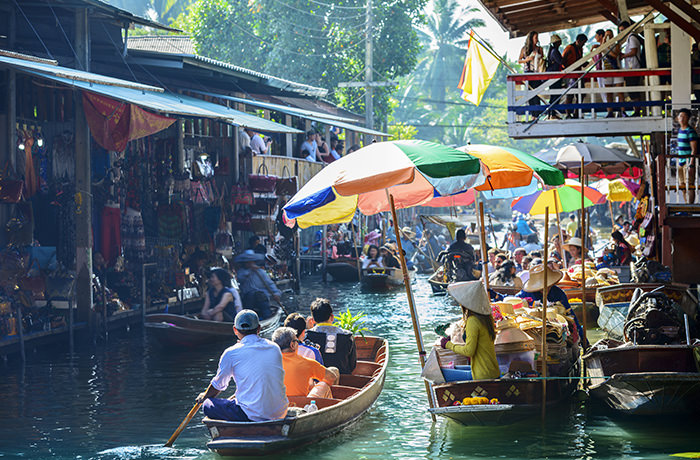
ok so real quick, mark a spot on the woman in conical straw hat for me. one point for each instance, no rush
(535, 284)
(479, 329)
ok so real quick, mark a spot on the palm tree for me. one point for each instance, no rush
(445, 36)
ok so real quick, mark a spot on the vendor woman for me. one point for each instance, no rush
(573, 247)
(535, 284)
(479, 329)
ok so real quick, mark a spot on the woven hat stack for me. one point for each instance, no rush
(510, 339)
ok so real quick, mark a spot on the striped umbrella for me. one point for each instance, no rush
(412, 171)
(512, 173)
(566, 198)
(617, 189)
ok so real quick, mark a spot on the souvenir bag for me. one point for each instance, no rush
(241, 220)
(262, 182)
(223, 239)
(287, 184)
(200, 194)
(45, 256)
(10, 189)
(18, 229)
(34, 282)
(241, 194)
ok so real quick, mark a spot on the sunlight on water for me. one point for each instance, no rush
(123, 400)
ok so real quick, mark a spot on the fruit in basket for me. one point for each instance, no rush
(494, 401)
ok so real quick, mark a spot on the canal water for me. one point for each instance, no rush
(122, 401)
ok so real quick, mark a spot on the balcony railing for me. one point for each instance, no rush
(680, 180)
(287, 166)
(586, 102)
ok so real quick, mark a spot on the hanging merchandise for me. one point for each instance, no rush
(287, 184)
(133, 237)
(18, 230)
(111, 237)
(241, 220)
(241, 194)
(34, 282)
(114, 123)
(10, 189)
(262, 182)
(203, 167)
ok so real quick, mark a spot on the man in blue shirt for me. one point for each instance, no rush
(687, 146)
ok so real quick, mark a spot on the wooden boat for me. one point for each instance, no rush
(351, 399)
(518, 398)
(343, 269)
(187, 331)
(644, 379)
(614, 301)
(380, 279)
(437, 283)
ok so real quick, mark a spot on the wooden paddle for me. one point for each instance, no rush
(183, 424)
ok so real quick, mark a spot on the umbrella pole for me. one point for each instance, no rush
(358, 253)
(543, 354)
(612, 217)
(484, 254)
(561, 236)
(584, 251)
(411, 305)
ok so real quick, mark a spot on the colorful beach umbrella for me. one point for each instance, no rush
(512, 173)
(596, 158)
(413, 171)
(617, 189)
(566, 198)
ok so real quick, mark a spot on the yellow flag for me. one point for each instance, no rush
(480, 67)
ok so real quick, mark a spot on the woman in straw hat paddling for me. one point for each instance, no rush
(479, 329)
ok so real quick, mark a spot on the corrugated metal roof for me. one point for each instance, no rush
(143, 95)
(72, 74)
(307, 114)
(106, 8)
(183, 47)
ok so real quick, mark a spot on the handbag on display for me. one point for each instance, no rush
(287, 184)
(241, 221)
(262, 182)
(10, 189)
(200, 194)
(242, 195)
(45, 256)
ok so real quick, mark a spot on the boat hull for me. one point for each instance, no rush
(376, 279)
(358, 392)
(177, 331)
(343, 271)
(518, 399)
(644, 379)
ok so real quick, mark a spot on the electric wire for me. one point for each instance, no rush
(33, 29)
(70, 45)
(318, 15)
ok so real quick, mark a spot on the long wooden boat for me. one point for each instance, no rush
(518, 399)
(644, 379)
(380, 279)
(351, 399)
(343, 269)
(614, 302)
(187, 331)
(437, 283)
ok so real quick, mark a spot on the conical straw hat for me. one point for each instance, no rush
(471, 295)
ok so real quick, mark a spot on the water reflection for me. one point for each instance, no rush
(123, 399)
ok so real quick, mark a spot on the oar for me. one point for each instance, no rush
(284, 309)
(183, 424)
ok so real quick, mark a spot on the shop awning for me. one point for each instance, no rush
(319, 117)
(145, 96)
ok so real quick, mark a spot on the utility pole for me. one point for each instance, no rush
(369, 102)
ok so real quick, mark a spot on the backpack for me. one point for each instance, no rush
(641, 55)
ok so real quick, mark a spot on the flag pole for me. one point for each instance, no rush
(493, 53)
(411, 304)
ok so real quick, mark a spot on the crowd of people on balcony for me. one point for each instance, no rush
(629, 55)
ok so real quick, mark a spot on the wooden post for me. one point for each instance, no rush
(545, 293)
(83, 195)
(411, 305)
(484, 254)
(612, 217)
(561, 237)
(358, 242)
(583, 254)
(297, 262)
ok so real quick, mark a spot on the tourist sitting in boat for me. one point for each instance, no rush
(256, 286)
(389, 259)
(300, 372)
(532, 244)
(512, 238)
(573, 247)
(518, 256)
(506, 275)
(533, 290)
(373, 258)
(306, 349)
(221, 301)
(524, 274)
(623, 250)
(336, 344)
(255, 365)
(480, 332)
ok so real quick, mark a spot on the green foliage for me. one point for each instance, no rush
(402, 131)
(310, 42)
(352, 323)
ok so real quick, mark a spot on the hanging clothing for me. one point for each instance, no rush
(111, 236)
